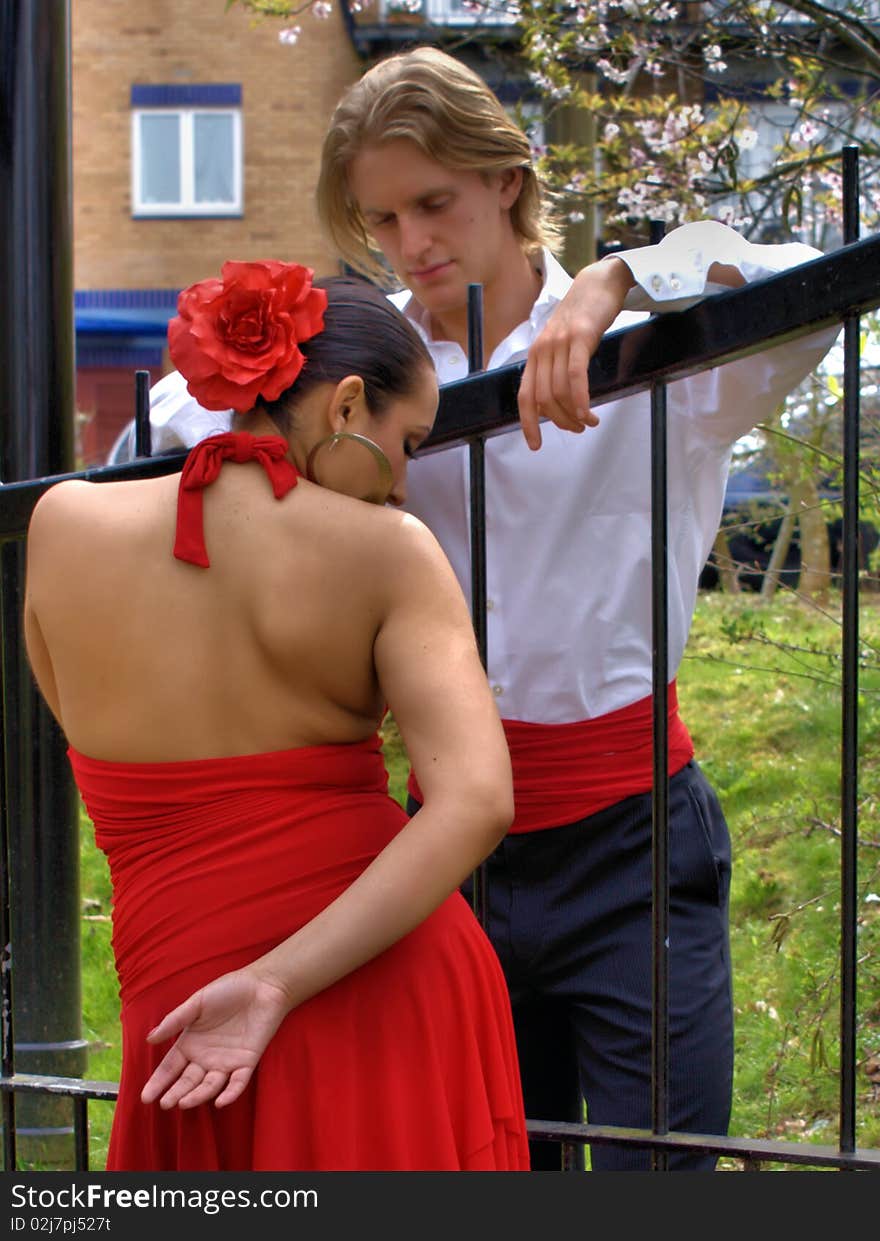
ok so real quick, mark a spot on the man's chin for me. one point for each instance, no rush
(441, 297)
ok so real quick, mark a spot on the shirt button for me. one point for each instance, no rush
(497, 690)
(675, 282)
(656, 284)
(490, 605)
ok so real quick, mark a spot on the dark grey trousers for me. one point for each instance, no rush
(570, 916)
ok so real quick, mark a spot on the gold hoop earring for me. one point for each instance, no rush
(385, 482)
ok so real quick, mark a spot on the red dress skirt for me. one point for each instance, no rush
(408, 1063)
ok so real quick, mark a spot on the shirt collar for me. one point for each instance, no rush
(556, 284)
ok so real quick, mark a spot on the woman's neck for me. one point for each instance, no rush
(256, 422)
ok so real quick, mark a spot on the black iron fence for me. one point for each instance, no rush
(837, 288)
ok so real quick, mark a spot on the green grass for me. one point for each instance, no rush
(759, 690)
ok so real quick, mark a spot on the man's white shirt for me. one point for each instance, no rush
(568, 528)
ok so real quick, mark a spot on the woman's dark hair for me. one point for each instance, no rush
(364, 334)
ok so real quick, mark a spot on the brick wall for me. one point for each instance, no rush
(287, 96)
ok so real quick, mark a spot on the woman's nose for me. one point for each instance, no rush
(397, 494)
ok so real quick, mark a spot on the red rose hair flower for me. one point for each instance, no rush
(237, 338)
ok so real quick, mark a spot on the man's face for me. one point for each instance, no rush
(440, 229)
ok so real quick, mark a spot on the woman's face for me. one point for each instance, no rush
(404, 426)
(352, 468)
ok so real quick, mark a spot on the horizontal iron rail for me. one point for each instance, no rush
(749, 1149)
(37, 1083)
(671, 346)
(17, 500)
(667, 347)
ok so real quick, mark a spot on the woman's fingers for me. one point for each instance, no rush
(187, 1080)
(210, 1086)
(167, 1071)
(194, 1086)
(178, 1019)
(238, 1081)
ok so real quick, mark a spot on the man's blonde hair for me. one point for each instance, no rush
(448, 111)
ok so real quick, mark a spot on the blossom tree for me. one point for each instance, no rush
(731, 108)
(734, 108)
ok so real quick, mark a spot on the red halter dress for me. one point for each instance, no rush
(408, 1063)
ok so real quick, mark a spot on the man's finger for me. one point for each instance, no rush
(579, 383)
(528, 407)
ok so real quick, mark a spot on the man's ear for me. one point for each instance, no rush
(346, 402)
(511, 183)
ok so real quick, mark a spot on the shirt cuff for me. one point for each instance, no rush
(673, 274)
(177, 420)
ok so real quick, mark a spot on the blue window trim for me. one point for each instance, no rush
(187, 95)
(130, 354)
(84, 298)
(123, 312)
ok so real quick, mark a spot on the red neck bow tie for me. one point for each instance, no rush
(203, 466)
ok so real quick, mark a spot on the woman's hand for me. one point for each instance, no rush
(222, 1029)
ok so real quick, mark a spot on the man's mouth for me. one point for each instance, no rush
(431, 271)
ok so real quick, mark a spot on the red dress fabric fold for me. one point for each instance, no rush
(408, 1063)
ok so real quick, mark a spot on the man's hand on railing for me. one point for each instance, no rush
(554, 383)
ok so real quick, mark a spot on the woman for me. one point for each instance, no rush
(333, 1001)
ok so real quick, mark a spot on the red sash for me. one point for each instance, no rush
(565, 772)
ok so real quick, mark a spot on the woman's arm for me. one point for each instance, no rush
(430, 673)
(41, 566)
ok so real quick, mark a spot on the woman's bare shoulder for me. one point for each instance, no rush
(409, 564)
(61, 502)
(74, 516)
(407, 539)
(77, 498)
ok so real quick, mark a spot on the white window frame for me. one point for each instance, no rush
(445, 13)
(187, 205)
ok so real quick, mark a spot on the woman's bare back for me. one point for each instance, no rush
(270, 648)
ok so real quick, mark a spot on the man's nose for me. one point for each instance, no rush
(414, 238)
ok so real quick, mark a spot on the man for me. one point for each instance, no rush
(422, 166)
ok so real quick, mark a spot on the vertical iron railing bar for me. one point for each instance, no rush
(660, 860)
(142, 432)
(477, 487)
(850, 680)
(660, 726)
(8, 1032)
(81, 1133)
